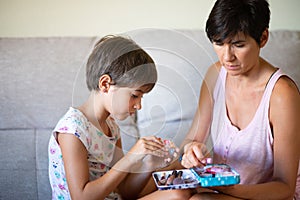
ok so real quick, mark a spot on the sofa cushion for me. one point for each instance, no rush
(17, 149)
(17, 169)
(24, 164)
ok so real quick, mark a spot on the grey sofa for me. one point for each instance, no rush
(41, 77)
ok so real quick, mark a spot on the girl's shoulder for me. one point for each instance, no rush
(72, 122)
(75, 116)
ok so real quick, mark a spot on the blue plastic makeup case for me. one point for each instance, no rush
(207, 176)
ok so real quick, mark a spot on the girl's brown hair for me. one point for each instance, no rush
(123, 60)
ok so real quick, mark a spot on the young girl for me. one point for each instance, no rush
(85, 153)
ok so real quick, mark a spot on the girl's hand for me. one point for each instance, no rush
(152, 163)
(150, 145)
(195, 155)
(151, 153)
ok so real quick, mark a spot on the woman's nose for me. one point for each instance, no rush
(228, 53)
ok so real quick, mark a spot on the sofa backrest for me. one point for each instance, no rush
(42, 77)
(39, 79)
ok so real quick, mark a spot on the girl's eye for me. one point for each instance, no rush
(218, 43)
(134, 96)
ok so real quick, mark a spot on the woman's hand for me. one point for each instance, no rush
(195, 155)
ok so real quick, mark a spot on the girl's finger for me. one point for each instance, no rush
(152, 143)
(155, 152)
(154, 139)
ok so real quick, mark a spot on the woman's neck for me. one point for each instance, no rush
(255, 77)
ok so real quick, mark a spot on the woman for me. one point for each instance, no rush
(250, 107)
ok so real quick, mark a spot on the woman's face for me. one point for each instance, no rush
(238, 54)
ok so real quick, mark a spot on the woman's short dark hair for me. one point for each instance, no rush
(123, 60)
(229, 17)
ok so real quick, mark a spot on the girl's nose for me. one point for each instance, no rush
(137, 105)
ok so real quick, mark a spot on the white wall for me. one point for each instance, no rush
(29, 18)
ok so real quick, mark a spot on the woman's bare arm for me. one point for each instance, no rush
(284, 118)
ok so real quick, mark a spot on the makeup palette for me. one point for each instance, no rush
(207, 176)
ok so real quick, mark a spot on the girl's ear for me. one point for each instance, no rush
(104, 83)
(264, 38)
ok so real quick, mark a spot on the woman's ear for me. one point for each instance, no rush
(104, 83)
(264, 38)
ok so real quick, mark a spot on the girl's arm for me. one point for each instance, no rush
(135, 181)
(143, 182)
(77, 169)
(133, 184)
(140, 182)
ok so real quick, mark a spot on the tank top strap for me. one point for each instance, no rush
(270, 86)
(220, 84)
(223, 74)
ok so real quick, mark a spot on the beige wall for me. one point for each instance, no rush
(23, 18)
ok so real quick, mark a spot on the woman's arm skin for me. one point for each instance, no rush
(77, 169)
(284, 118)
(198, 133)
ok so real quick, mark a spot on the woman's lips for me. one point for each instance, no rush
(232, 67)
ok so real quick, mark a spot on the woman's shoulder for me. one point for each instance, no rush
(285, 97)
(285, 87)
(212, 74)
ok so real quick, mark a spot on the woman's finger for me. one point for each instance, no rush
(197, 150)
(185, 162)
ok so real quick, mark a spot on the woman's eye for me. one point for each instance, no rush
(239, 45)
(134, 96)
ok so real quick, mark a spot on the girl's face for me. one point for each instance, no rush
(124, 101)
(238, 55)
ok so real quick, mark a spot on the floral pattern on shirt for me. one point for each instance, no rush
(100, 149)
